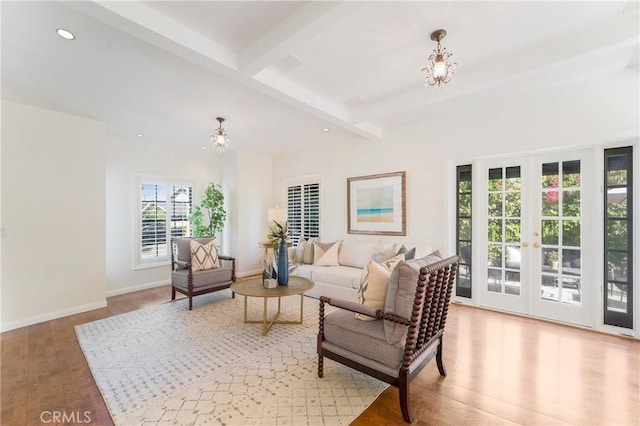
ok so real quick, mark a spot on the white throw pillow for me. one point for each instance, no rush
(204, 256)
(355, 254)
(373, 288)
(330, 255)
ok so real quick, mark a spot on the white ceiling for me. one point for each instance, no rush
(280, 72)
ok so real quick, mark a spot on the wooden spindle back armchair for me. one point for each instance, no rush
(404, 337)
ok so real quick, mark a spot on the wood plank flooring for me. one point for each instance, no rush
(503, 370)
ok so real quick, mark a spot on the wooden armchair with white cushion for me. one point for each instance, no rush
(394, 340)
(197, 268)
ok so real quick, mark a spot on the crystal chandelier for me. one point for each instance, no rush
(220, 138)
(440, 67)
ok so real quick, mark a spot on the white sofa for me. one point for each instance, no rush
(342, 280)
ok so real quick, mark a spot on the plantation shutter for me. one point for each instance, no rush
(303, 211)
(311, 210)
(181, 198)
(294, 213)
(154, 221)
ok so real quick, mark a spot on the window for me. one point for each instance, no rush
(463, 230)
(303, 211)
(163, 210)
(618, 237)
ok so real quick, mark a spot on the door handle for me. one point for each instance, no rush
(536, 245)
(525, 244)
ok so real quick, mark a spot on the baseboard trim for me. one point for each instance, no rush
(51, 316)
(138, 287)
(249, 273)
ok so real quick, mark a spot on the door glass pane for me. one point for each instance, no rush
(495, 179)
(495, 205)
(513, 179)
(571, 174)
(617, 167)
(512, 230)
(550, 232)
(550, 175)
(550, 203)
(495, 230)
(495, 255)
(513, 257)
(561, 239)
(571, 203)
(512, 204)
(571, 233)
(504, 229)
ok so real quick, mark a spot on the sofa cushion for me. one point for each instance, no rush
(382, 252)
(208, 278)
(401, 293)
(330, 256)
(355, 254)
(409, 254)
(304, 271)
(299, 251)
(343, 276)
(204, 256)
(366, 338)
(319, 249)
(307, 256)
(373, 287)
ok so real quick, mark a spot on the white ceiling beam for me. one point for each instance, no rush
(145, 23)
(299, 27)
(615, 35)
(287, 91)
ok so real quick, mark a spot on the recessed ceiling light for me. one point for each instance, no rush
(326, 129)
(204, 147)
(65, 34)
(140, 135)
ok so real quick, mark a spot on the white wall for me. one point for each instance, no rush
(53, 215)
(248, 176)
(125, 159)
(597, 110)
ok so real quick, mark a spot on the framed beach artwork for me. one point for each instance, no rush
(376, 204)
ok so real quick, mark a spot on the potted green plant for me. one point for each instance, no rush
(212, 206)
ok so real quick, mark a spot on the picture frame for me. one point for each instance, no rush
(376, 204)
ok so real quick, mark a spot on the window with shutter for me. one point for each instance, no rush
(163, 213)
(303, 210)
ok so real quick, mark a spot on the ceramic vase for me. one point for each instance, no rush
(283, 263)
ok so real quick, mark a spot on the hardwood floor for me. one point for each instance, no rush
(503, 369)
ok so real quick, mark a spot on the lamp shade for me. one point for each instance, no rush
(277, 214)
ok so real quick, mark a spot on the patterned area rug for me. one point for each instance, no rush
(166, 365)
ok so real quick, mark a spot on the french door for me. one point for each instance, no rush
(534, 255)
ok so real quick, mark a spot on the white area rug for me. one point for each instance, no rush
(166, 365)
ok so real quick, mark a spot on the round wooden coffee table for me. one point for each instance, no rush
(253, 288)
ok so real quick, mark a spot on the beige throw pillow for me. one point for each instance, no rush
(373, 288)
(204, 256)
(330, 255)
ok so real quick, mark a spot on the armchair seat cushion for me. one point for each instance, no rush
(203, 279)
(365, 338)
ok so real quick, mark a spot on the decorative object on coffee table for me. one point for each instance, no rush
(376, 204)
(278, 235)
